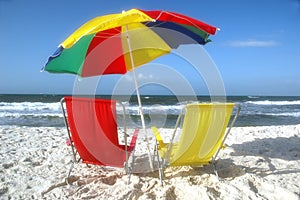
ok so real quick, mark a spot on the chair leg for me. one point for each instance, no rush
(130, 166)
(70, 170)
(215, 169)
(154, 153)
(160, 169)
(69, 173)
(129, 174)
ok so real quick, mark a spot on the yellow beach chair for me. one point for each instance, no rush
(202, 136)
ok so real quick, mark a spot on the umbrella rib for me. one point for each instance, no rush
(106, 35)
(103, 24)
(183, 19)
(170, 13)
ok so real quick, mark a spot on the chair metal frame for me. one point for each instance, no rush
(162, 164)
(74, 152)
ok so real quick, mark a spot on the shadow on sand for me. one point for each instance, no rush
(259, 155)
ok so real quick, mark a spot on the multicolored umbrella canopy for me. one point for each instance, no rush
(116, 43)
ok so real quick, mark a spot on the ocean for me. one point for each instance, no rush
(45, 110)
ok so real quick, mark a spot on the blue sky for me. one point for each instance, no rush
(257, 50)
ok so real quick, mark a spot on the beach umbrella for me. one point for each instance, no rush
(118, 43)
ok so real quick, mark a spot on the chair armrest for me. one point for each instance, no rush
(133, 140)
(158, 137)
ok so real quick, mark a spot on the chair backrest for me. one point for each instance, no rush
(203, 131)
(93, 127)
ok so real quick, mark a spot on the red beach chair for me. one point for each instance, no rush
(93, 132)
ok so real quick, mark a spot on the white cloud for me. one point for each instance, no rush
(253, 43)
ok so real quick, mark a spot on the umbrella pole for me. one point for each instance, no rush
(140, 110)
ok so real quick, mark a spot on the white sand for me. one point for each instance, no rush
(259, 163)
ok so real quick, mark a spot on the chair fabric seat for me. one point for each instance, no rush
(93, 127)
(202, 135)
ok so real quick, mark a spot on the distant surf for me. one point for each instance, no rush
(280, 103)
(45, 110)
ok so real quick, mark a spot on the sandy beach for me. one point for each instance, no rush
(258, 163)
